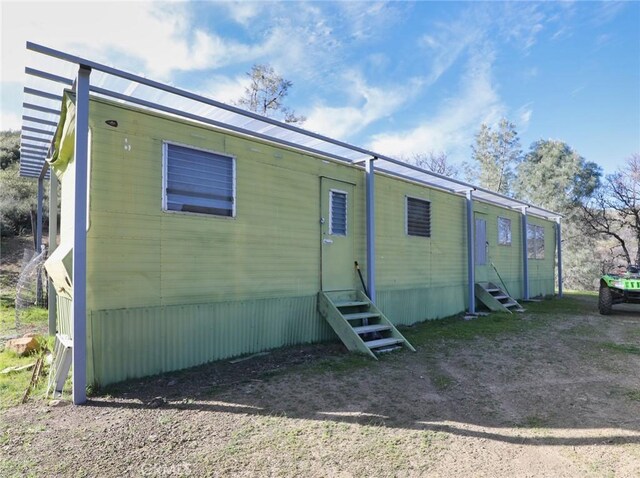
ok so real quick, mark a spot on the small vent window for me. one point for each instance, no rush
(418, 217)
(338, 220)
(198, 181)
(504, 231)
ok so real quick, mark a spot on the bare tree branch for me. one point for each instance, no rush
(614, 211)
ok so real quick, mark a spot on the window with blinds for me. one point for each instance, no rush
(418, 217)
(198, 181)
(338, 213)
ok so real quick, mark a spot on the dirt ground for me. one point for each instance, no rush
(557, 394)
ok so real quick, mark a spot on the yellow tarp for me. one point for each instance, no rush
(64, 138)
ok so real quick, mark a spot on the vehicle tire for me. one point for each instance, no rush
(605, 300)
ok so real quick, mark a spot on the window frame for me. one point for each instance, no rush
(165, 179)
(500, 242)
(481, 249)
(406, 216)
(532, 245)
(346, 212)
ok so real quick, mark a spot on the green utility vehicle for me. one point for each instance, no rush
(619, 289)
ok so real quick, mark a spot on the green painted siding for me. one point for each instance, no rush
(418, 277)
(170, 290)
(507, 259)
(541, 271)
(142, 256)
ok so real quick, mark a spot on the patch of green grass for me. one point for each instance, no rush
(583, 330)
(433, 439)
(33, 316)
(7, 312)
(496, 324)
(532, 421)
(456, 328)
(633, 395)
(441, 382)
(240, 439)
(14, 468)
(13, 385)
(620, 348)
(165, 419)
(571, 303)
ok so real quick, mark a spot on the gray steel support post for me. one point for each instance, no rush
(371, 230)
(559, 246)
(525, 256)
(79, 304)
(53, 234)
(470, 254)
(39, 213)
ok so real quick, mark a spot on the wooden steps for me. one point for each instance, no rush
(60, 366)
(367, 329)
(360, 315)
(361, 326)
(496, 299)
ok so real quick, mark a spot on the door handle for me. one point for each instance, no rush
(327, 241)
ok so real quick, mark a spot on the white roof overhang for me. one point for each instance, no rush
(50, 72)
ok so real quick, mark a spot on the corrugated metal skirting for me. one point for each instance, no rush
(128, 343)
(410, 306)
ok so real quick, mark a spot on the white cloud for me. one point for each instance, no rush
(452, 128)
(470, 37)
(374, 103)
(156, 38)
(10, 121)
(576, 91)
(429, 41)
(242, 12)
(523, 115)
(445, 44)
(608, 11)
(363, 20)
(521, 23)
(225, 89)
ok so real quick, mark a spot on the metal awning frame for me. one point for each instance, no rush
(227, 117)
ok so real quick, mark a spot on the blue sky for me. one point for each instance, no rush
(397, 77)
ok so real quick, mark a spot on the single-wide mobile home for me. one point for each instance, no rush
(193, 231)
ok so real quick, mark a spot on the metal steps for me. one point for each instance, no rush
(361, 326)
(496, 299)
